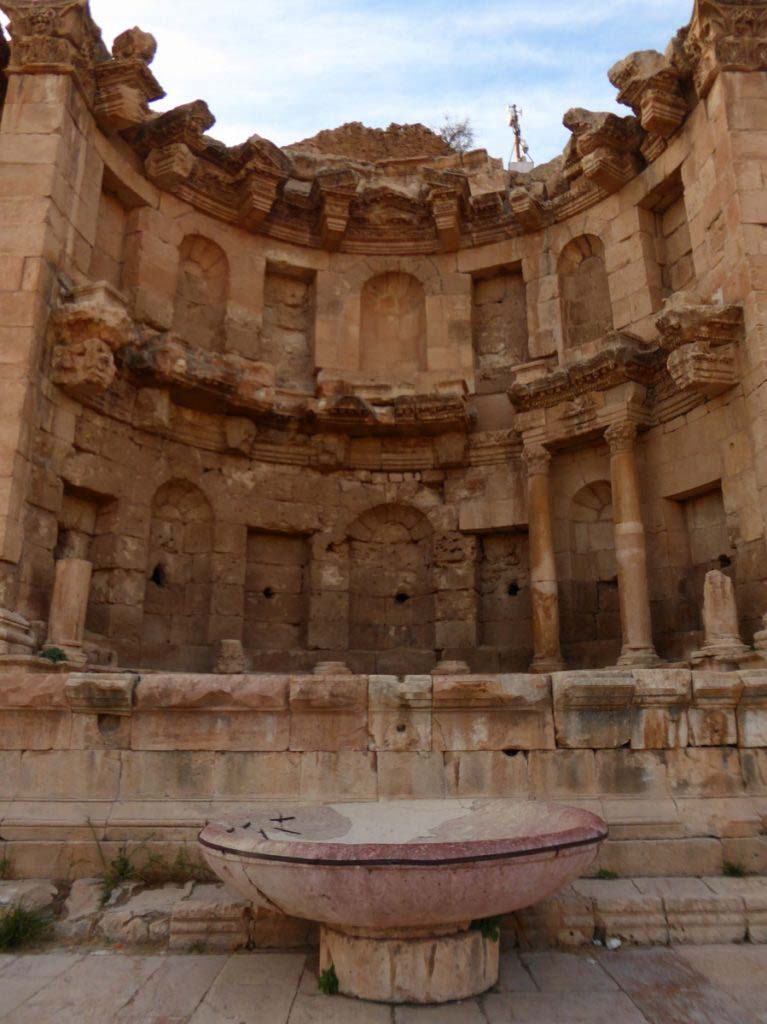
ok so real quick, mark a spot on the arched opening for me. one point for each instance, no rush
(591, 625)
(202, 289)
(393, 325)
(391, 587)
(587, 312)
(178, 579)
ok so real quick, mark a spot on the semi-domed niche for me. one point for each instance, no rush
(202, 289)
(393, 325)
(587, 312)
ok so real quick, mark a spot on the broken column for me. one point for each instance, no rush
(722, 646)
(69, 604)
(547, 656)
(630, 548)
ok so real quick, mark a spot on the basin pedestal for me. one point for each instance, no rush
(398, 967)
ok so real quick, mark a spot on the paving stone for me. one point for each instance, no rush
(91, 991)
(319, 1009)
(562, 1008)
(174, 991)
(563, 972)
(24, 976)
(266, 983)
(455, 1013)
(514, 975)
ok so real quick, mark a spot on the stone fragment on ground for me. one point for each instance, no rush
(39, 896)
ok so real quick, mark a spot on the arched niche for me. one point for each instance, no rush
(393, 325)
(587, 311)
(391, 588)
(177, 598)
(202, 291)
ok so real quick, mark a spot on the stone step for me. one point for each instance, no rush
(200, 916)
(672, 837)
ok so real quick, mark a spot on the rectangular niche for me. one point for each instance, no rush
(499, 324)
(504, 584)
(287, 339)
(672, 235)
(276, 601)
(108, 256)
(706, 522)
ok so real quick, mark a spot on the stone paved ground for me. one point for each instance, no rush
(684, 985)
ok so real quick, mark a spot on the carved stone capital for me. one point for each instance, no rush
(621, 436)
(537, 459)
(55, 37)
(725, 35)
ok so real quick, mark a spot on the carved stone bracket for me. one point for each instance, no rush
(170, 166)
(55, 37)
(186, 124)
(700, 339)
(651, 86)
(334, 192)
(87, 330)
(622, 359)
(528, 209)
(607, 146)
(125, 85)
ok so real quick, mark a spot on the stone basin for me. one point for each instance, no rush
(397, 886)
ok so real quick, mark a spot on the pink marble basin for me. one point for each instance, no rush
(418, 864)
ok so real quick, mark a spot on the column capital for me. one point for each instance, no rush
(621, 436)
(537, 459)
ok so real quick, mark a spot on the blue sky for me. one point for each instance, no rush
(289, 68)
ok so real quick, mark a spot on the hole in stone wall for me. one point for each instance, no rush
(513, 753)
(269, 593)
(514, 589)
(402, 598)
(108, 724)
(401, 727)
(725, 561)
(159, 576)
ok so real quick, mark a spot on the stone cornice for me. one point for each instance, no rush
(621, 360)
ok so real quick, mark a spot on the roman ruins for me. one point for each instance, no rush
(366, 469)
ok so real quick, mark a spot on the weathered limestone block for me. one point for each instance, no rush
(712, 718)
(170, 166)
(607, 145)
(211, 918)
(704, 920)
(650, 85)
(562, 774)
(752, 710)
(33, 895)
(329, 713)
(486, 773)
(701, 340)
(400, 712)
(346, 775)
(69, 605)
(593, 710)
(101, 693)
(81, 909)
(661, 699)
(414, 775)
(240, 434)
(211, 712)
(566, 920)
(506, 712)
(334, 191)
(622, 912)
(698, 367)
(153, 409)
(144, 917)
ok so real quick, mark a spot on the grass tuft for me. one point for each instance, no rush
(731, 870)
(328, 983)
(606, 876)
(20, 927)
(54, 654)
(490, 928)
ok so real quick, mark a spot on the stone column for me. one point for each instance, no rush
(69, 604)
(547, 654)
(630, 548)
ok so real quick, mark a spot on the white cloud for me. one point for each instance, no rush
(288, 69)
